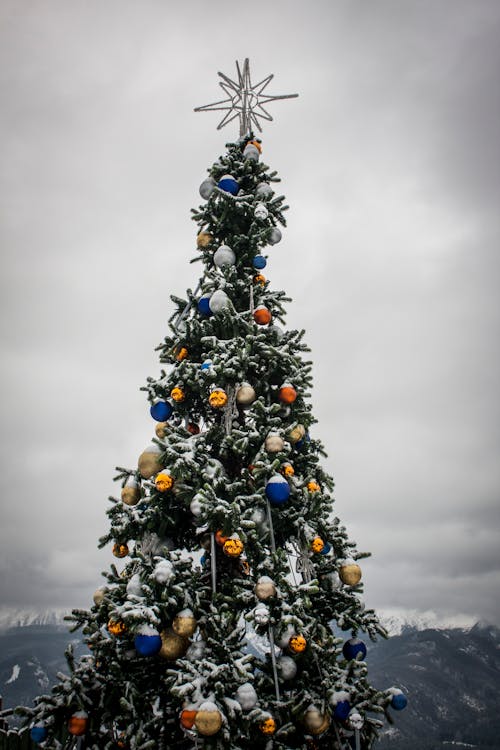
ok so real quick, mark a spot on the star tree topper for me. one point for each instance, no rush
(244, 100)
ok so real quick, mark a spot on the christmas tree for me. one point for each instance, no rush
(224, 627)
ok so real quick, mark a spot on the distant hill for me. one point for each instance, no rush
(451, 677)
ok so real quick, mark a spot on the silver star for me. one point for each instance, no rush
(244, 100)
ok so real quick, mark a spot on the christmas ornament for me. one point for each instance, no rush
(173, 646)
(220, 538)
(263, 190)
(287, 667)
(245, 395)
(317, 544)
(259, 278)
(246, 696)
(206, 366)
(261, 615)
(315, 722)
(224, 256)
(268, 726)
(277, 490)
(354, 648)
(147, 642)
(313, 486)
(149, 461)
(187, 718)
(228, 184)
(326, 548)
(259, 262)
(181, 353)
(296, 434)
(184, 623)
(233, 547)
(274, 443)
(275, 236)
(131, 493)
(161, 430)
(218, 301)
(177, 394)
(245, 567)
(297, 644)
(77, 724)
(161, 410)
(356, 721)
(196, 507)
(399, 701)
(341, 704)
(164, 571)
(208, 719)
(262, 315)
(39, 733)
(251, 152)
(265, 588)
(164, 482)
(203, 306)
(218, 398)
(116, 627)
(99, 595)
(260, 211)
(120, 549)
(287, 394)
(193, 428)
(207, 188)
(350, 573)
(287, 470)
(204, 239)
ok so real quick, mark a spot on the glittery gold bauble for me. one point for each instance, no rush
(233, 547)
(287, 394)
(274, 443)
(161, 429)
(149, 463)
(173, 646)
(177, 394)
(245, 395)
(297, 433)
(208, 720)
(297, 644)
(313, 486)
(181, 353)
(187, 718)
(350, 573)
(259, 278)
(268, 726)
(316, 722)
(204, 239)
(116, 627)
(131, 495)
(120, 550)
(218, 398)
(163, 482)
(317, 544)
(99, 595)
(287, 470)
(262, 315)
(265, 589)
(184, 623)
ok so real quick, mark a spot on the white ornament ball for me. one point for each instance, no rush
(245, 395)
(265, 588)
(275, 236)
(207, 188)
(264, 190)
(164, 571)
(274, 443)
(251, 152)
(246, 696)
(260, 211)
(134, 586)
(287, 667)
(218, 301)
(261, 615)
(355, 720)
(224, 256)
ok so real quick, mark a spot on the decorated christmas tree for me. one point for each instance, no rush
(236, 618)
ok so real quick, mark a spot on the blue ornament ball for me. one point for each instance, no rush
(206, 365)
(204, 306)
(277, 490)
(147, 643)
(203, 559)
(161, 411)
(354, 648)
(39, 733)
(259, 262)
(399, 701)
(326, 549)
(228, 184)
(342, 710)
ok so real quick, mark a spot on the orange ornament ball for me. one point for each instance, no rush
(116, 627)
(287, 470)
(187, 718)
(259, 278)
(120, 549)
(220, 538)
(177, 394)
(287, 394)
(317, 544)
(233, 547)
(164, 482)
(313, 486)
(218, 398)
(297, 644)
(262, 315)
(181, 353)
(268, 726)
(77, 724)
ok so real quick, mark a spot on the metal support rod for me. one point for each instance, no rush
(273, 662)
(271, 529)
(212, 561)
(357, 738)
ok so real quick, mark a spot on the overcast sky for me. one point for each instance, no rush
(390, 161)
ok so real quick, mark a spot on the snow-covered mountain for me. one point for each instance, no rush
(397, 621)
(21, 618)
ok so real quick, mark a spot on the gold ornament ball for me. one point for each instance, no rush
(233, 547)
(315, 722)
(116, 627)
(131, 495)
(274, 443)
(265, 589)
(177, 394)
(218, 398)
(208, 720)
(161, 429)
(163, 482)
(120, 550)
(297, 433)
(268, 726)
(149, 463)
(317, 544)
(259, 278)
(173, 646)
(184, 624)
(204, 239)
(99, 595)
(245, 395)
(297, 644)
(350, 573)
